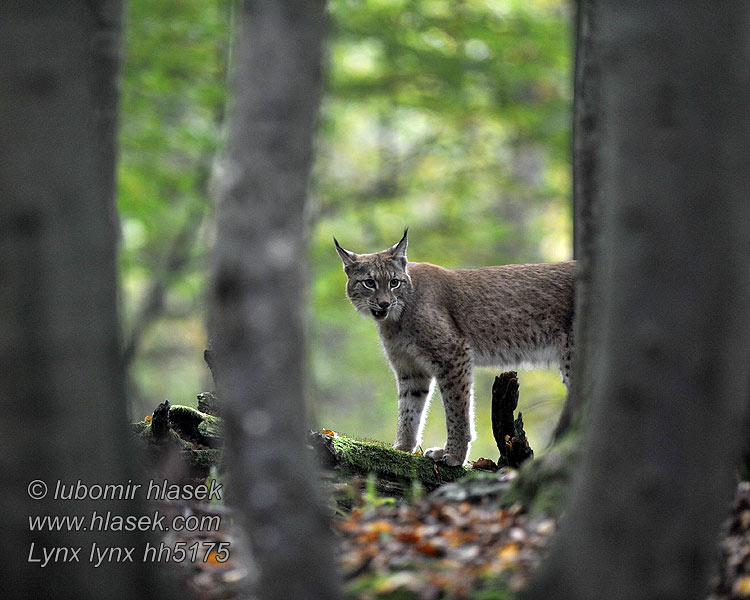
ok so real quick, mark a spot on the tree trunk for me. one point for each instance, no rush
(104, 85)
(674, 184)
(258, 293)
(64, 416)
(586, 158)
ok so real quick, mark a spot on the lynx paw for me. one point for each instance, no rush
(440, 455)
(403, 447)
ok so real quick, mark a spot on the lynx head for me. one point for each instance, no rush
(379, 283)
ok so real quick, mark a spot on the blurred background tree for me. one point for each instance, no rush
(450, 116)
(173, 104)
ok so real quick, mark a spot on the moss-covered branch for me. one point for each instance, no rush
(361, 457)
(197, 437)
(194, 437)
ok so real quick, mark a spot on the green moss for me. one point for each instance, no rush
(183, 435)
(180, 442)
(186, 421)
(203, 460)
(212, 427)
(142, 429)
(542, 484)
(369, 456)
(187, 413)
(495, 591)
(379, 587)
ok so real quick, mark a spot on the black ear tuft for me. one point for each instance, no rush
(347, 257)
(398, 251)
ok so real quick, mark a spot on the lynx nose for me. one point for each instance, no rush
(383, 304)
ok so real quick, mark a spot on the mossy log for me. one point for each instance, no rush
(192, 437)
(197, 437)
(395, 471)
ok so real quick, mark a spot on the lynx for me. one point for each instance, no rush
(437, 324)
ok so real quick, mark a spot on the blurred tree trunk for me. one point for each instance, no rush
(259, 294)
(657, 472)
(586, 122)
(62, 388)
(105, 49)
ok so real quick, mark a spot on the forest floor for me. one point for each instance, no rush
(457, 542)
(431, 549)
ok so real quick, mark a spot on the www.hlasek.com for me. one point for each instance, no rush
(106, 520)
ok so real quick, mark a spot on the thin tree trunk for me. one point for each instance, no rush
(64, 416)
(105, 49)
(674, 180)
(586, 158)
(258, 293)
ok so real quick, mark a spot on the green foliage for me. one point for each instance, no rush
(371, 498)
(172, 105)
(173, 100)
(452, 118)
(449, 116)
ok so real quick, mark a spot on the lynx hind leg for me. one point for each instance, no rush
(456, 389)
(414, 391)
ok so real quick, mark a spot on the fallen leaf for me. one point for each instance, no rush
(508, 554)
(407, 536)
(458, 537)
(380, 526)
(399, 581)
(517, 534)
(373, 531)
(546, 527)
(485, 464)
(213, 559)
(742, 587)
(429, 549)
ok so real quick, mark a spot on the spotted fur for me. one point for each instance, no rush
(437, 324)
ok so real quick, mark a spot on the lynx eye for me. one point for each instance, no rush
(369, 283)
(395, 283)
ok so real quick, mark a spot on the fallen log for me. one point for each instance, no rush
(195, 438)
(180, 439)
(395, 471)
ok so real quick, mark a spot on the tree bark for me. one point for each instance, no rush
(586, 158)
(105, 48)
(258, 294)
(508, 431)
(675, 144)
(60, 372)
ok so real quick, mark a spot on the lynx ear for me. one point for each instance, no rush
(348, 258)
(398, 251)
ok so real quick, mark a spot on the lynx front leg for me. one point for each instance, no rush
(455, 383)
(414, 390)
